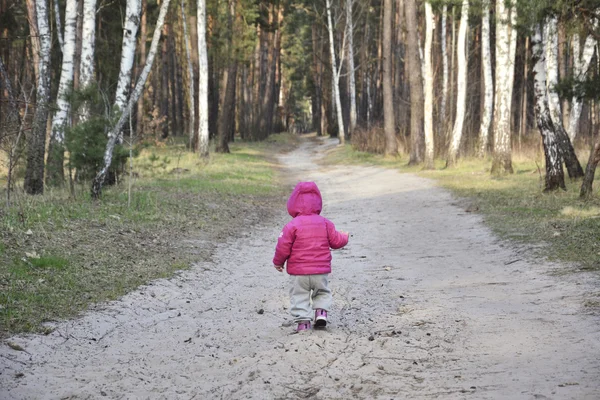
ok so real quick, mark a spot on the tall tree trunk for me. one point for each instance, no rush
(269, 71)
(202, 81)
(564, 144)
(389, 123)
(132, 23)
(524, 105)
(428, 106)
(505, 37)
(227, 116)
(413, 64)
(190, 85)
(443, 34)
(246, 104)
(335, 76)
(551, 49)
(78, 47)
(555, 177)
(461, 96)
(488, 96)
(226, 122)
(137, 91)
(141, 117)
(173, 89)
(34, 35)
(36, 143)
(351, 72)
(365, 74)
(88, 49)
(590, 171)
(59, 29)
(163, 97)
(54, 166)
(581, 64)
(317, 80)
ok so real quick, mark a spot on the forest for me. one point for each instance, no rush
(148, 149)
(86, 83)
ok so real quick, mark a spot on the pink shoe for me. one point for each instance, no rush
(320, 318)
(303, 326)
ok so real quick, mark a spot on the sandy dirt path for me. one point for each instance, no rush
(428, 304)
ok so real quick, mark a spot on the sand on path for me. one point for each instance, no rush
(428, 304)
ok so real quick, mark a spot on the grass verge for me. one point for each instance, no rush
(559, 226)
(60, 253)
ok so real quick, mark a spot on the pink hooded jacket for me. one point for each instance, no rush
(305, 241)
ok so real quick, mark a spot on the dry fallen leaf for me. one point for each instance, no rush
(15, 346)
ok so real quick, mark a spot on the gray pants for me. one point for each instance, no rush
(307, 289)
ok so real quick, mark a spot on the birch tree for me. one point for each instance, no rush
(444, 66)
(36, 141)
(428, 107)
(461, 96)
(555, 177)
(202, 135)
(506, 37)
(581, 64)
(130, 28)
(351, 68)
(488, 95)
(137, 91)
(88, 49)
(551, 48)
(190, 70)
(389, 123)
(54, 166)
(565, 147)
(335, 75)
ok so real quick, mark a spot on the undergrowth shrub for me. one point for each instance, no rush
(369, 140)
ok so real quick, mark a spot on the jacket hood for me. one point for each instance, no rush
(305, 200)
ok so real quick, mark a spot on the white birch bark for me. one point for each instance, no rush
(36, 144)
(428, 92)
(130, 28)
(488, 96)
(59, 121)
(59, 28)
(135, 94)
(335, 76)
(444, 65)
(203, 80)
(88, 49)
(554, 172)
(581, 64)
(505, 51)
(551, 49)
(188, 55)
(350, 54)
(461, 80)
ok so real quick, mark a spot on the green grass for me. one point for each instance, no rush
(559, 225)
(60, 253)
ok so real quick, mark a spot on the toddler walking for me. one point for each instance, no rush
(305, 244)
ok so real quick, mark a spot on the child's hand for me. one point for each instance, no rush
(279, 268)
